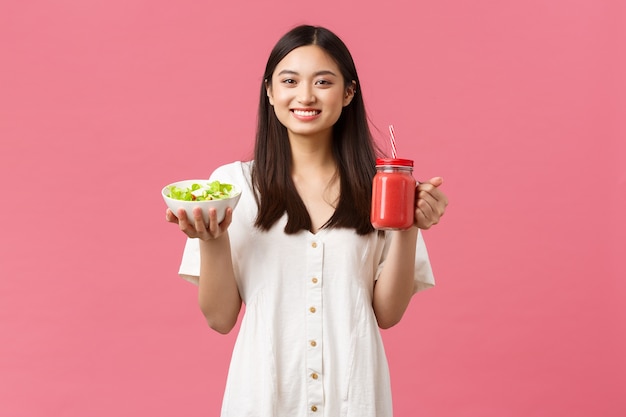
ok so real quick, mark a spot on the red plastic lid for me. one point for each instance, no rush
(394, 162)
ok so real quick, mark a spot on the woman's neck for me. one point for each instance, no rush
(314, 174)
(312, 154)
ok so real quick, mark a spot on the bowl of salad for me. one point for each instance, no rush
(201, 193)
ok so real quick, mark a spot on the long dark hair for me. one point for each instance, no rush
(353, 147)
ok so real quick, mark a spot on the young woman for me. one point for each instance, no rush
(300, 251)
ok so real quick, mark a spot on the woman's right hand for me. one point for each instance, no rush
(196, 228)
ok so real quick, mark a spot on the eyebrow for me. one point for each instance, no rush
(316, 74)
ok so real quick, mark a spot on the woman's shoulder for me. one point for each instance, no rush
(238, 173)
(232, 171)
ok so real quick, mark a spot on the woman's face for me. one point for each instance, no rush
(308, 92)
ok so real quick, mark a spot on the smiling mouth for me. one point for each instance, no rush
(306, 113)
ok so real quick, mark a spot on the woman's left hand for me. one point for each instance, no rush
(430, 203)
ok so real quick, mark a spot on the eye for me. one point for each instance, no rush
(289, 81)
(323, 82)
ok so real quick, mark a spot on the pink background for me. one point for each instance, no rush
(519, 105)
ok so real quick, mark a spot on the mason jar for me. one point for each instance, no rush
(393, 194)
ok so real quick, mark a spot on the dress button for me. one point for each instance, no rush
(314, 245)
(312, 309)
(314, 375)
(313, 343)
(314, 280)
(313, 408)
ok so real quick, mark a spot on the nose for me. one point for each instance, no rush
(305, 94)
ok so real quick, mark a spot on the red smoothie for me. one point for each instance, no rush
(393, 194)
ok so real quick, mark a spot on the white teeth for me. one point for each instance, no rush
(305, 113)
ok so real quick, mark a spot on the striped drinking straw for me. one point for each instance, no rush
(392, 137)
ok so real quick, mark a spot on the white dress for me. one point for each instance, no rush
(309, 343)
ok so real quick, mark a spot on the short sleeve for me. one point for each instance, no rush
(190, 264)
(423, 277)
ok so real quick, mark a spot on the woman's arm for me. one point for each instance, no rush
(395, 286)
(218, 295)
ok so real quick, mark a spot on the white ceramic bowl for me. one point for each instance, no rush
(219, 205)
